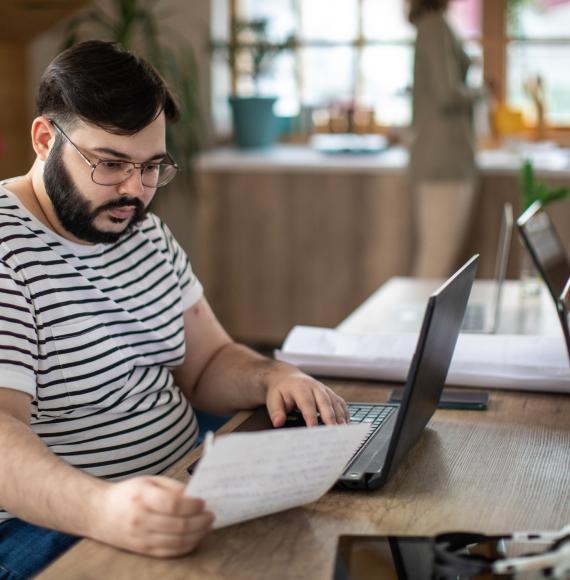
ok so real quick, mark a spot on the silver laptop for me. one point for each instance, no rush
(484, 316)
(545, 248)
(563, 307)
(550, 258)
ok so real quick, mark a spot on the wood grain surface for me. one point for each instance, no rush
(498, 470)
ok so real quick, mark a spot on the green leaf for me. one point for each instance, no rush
(537, 191)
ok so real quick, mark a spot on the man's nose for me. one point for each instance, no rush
(132, 186)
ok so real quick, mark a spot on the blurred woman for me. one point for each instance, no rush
(442, 156)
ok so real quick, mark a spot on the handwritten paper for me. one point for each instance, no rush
(247, 475)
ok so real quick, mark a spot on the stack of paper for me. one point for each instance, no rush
(502, 361)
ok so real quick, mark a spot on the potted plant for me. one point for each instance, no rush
(250, 55)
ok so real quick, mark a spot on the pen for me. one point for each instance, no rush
(208, 441)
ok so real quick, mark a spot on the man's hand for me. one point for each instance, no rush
(288, 388)
(221, 377)
(150, 515)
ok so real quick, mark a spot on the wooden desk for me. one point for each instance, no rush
(496, 471)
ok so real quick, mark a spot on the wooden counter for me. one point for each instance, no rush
(291, 236)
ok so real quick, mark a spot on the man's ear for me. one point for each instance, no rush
(43, 137)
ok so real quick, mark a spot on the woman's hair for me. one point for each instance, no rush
(105, 85)
(417, 8)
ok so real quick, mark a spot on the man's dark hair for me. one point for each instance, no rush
(105, 85)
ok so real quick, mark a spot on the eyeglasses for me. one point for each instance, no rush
(115, 171)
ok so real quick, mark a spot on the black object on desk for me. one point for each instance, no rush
(417, 558)
(452, 399)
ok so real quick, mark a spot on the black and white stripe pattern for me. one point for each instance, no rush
(92, 333)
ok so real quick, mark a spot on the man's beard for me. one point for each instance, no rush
(74, 211)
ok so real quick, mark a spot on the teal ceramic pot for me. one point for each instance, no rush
(255, 123)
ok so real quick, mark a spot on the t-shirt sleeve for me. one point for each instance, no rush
(18, 334)
(190, 287)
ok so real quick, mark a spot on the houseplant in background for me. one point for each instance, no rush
(533, 190)
(135, 25)
(250, 55)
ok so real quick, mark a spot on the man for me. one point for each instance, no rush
(106, 341)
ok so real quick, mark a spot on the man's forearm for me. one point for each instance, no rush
(38, 487)
(235, 379)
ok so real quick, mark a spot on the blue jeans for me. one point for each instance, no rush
(25, 549)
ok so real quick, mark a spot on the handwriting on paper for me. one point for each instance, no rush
(248, 475)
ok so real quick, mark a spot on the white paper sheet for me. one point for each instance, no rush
(247, 475)
(522, 362)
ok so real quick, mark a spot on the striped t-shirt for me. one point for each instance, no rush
(92, 334)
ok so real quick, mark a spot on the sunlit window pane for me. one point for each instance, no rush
(387, 78)
(281, 82)
(465, 17)
(474, 50)
(328, 75)
(551, 63)
(220, 19)
(279, 14)
(541, 20)
(386, 20)
(329, 20)
(221, 90)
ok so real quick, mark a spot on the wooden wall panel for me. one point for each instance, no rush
(279, 248)
(15, 153)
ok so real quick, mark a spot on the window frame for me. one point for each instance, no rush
(494, 41)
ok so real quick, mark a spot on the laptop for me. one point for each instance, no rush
(563, 308)
(545, 248)
(484, 316)
(394, 429)
(483, 312)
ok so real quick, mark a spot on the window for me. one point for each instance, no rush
(349, 52)
(539, 44)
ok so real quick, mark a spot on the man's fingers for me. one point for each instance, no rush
(341, 410)
(308, 407)
(332, 408)
(311, 398)
(176, 525)
(156, 496)
(326, 409)
(168, 546)
(276, 408)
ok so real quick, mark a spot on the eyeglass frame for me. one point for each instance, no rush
(140, 166)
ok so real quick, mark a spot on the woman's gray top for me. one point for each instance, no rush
(443, 147)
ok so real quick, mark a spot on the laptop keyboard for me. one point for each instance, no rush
(375, 415)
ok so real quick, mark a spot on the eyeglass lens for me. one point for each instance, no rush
(115, 172)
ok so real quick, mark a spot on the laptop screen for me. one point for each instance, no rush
(545, 247)
(502, 261)
(430, 364)
(564, 314)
